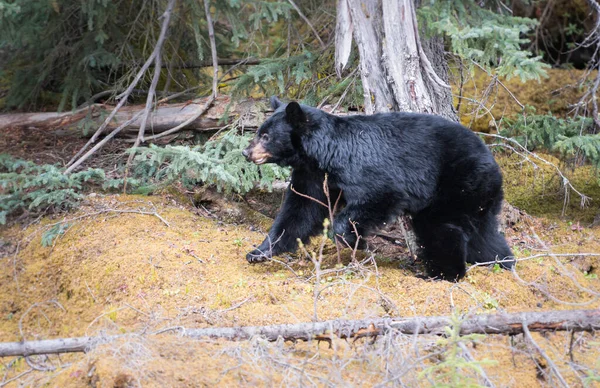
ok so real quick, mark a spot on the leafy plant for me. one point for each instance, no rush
(454, 370)
(487, 35)
(53, 233)
(217, 162)
(28, 186)
(496, 268)
(570, 137)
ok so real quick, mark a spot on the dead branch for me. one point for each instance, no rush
(220, 62)
(166, 16)
(250, 112)
(213, 49)
(45, 119)
(501, 323)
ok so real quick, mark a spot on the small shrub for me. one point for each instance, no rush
(27, 186)
(217, 162)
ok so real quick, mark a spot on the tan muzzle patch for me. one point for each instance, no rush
(258, 154)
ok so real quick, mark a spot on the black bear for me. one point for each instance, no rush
(385, 165)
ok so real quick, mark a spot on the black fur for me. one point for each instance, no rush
(387, 164)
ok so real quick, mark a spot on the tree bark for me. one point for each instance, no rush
(502, 323)
(398, 70)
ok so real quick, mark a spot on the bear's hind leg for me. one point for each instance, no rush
(443, 248)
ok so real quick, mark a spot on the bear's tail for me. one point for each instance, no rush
(488, 244)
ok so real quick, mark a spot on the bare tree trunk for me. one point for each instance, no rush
(442, 97)
(366, 18)
(501, 323)
(398, 71)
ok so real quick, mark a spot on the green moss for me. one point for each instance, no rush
(554, 94)
(538, 188)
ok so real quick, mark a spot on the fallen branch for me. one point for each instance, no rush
(46, 119)
(163, 118)
(503, 323)
(251, 113)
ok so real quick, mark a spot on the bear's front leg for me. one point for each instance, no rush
(299, 218)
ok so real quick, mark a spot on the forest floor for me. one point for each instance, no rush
(136, 265)
(115, 272)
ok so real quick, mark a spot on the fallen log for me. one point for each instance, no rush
(250, 113)
(501, 323)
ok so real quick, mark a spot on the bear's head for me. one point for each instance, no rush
(278, 140)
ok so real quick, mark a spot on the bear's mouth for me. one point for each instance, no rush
(261, 160)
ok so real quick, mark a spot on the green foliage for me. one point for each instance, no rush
(28, 186)
(276, 71)
(571, 137)
(63, 47)
(217, 162)
(63, 52)
(455, 370)
(497, 268)
(479, 33)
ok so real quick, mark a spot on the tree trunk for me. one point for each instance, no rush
(366, 18)
(398, 71)
(501, 323)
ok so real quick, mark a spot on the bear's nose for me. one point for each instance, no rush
(246, 153)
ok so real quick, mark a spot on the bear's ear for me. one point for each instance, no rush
(294, 114)
(275, 103)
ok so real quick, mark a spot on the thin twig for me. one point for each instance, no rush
(467, 355)
(308, 197)
(90, 291)
(511, 259)
(5, 383)
(501, 84)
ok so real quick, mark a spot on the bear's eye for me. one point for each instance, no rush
(265, 137)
